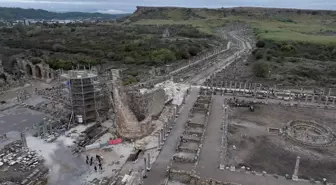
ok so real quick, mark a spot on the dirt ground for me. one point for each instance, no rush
(251, 145)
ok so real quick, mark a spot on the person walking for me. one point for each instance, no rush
(91, 161)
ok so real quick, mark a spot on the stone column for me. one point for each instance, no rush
(333, 101)
(145, 171)
(230, 85)
(166, 129)
(290, 97)
(306, 98)
(255, 90)
(245, 88)
(235, 86)
(327, 99)
(240, 85)
(44, 127)
(163, 134)
(226, 85)
(250, 86)
(170, 127)
(159, 141)
(313, 98)
(296, 169)
(23, 139)
(148, 162)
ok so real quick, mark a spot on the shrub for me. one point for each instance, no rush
(35, 60)
(193, 51)
(58, 47)
(259, 54)
(268, 57)
(260, 44)
(260, 69)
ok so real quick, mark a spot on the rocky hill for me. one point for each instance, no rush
(204, 13)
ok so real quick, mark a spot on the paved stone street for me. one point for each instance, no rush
(210, 153)
(158, 171)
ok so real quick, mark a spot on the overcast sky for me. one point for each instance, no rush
(128, 6)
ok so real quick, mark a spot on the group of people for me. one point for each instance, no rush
(91, 161)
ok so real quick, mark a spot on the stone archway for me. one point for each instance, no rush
(49, 75)
(29, 70)
(38, 72)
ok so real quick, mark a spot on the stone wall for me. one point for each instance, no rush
(146, 104)
(128, 126)
(188, 177)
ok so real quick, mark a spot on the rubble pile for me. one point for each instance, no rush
(55, 93)
(22, 158)
(21, 165)
(51, 108)
(10, 82)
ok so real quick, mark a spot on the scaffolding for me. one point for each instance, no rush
(85, 95)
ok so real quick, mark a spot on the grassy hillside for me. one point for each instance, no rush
(271, 24)
(295, 47)
(19, 13)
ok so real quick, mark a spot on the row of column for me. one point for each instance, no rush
(163, 134)
(256, 88)
(162, 137)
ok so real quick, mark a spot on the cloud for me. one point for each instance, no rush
(111, 11)
(52, 2)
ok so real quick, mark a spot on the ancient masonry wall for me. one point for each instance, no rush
(127, 124)
(40, 71)
(188, 177)
(147, 104)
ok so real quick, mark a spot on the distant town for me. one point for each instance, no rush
(28, 22)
